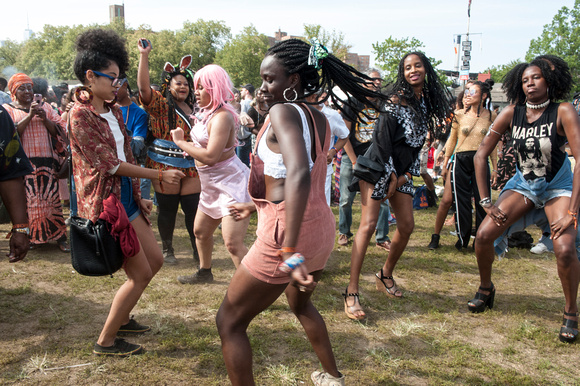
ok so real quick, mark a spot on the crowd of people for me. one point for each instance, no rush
(273, 150)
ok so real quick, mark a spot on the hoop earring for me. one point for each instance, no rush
(290, 99)
(84, 95)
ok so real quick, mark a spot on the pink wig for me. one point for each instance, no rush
(217, 83)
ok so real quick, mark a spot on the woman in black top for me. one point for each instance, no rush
(418, 97)
(536, 123)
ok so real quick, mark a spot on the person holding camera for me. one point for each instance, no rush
(44, 141)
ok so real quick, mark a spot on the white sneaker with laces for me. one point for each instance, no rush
(539, 248)
(324, 379)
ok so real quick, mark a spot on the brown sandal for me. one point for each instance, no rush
(382, 286)
(350, 310)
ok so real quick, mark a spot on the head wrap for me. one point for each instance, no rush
(16, 81)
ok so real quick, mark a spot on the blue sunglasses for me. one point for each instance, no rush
(114, 81)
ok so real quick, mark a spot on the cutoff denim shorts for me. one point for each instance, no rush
(539, 191)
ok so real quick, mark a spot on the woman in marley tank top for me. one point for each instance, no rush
(540, 129)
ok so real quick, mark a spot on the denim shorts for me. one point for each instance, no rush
(539, 191)
(128, 200)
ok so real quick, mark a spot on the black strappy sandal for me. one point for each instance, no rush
(570, 327)
(350, 310)
(383, 287)
(481, 301)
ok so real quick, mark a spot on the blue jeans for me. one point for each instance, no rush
(345, 205)
(145, 185)
(243, 151)
(346, 197)
(537, 217)
(382, 232)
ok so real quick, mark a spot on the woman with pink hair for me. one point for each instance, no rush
(224, 178)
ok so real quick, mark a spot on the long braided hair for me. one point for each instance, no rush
(166, 92)
(554, 69)
(437, 99)
(294, 56)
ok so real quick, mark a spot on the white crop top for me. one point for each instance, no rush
(273, 162)
(119, 138)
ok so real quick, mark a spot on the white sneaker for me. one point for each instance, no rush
(324, 379)
(539, 248)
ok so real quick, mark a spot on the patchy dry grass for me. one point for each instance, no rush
(50, 318)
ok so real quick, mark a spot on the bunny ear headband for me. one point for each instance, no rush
(183, 67)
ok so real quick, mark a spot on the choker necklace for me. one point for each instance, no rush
(538, 106)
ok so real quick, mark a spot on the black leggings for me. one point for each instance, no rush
(168, 205)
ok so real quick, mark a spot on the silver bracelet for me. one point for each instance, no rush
(485, 202)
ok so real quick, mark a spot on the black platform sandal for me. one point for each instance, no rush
(570, 328)
(356, 307)
(382, 285)
(481, 301)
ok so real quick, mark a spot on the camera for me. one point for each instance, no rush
(38, 98)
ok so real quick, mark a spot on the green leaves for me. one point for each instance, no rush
(241, 57)
(561, 37)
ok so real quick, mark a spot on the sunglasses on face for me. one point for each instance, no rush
(115, 82)
(471, 92)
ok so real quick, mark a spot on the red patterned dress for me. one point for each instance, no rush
(45, 218)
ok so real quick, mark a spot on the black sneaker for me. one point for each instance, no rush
(434, 244)
(121, 348)
(203, 275)
(132, 328)
(170, 259)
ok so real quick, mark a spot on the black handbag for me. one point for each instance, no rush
(368, 170)
(94, 251)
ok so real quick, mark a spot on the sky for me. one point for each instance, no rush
(501, 30)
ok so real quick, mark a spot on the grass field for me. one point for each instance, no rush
(50, 317)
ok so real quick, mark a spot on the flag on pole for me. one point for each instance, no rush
(469, 9)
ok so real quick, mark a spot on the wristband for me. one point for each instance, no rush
(408, 177)
(19, 228)
(575, 217)
(287, 250)
(292, 263)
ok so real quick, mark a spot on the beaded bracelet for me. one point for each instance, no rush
(575, 217)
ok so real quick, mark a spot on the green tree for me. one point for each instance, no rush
(242, 56)
(201, 39)
(50, 53)
(498, 72)
(561, 37)
(334, 41)
(9, 54)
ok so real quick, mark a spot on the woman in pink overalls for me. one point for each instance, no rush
(287, 189)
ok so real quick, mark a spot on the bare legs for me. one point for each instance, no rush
(514, 206)
(247, 297)
(233, 233)
(140, 270)
(402, 205)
